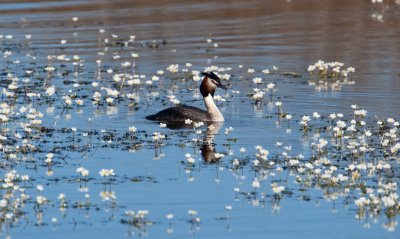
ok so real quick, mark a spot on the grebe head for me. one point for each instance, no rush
(210, 82)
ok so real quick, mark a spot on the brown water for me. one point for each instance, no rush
(255, 34)
(289, 34)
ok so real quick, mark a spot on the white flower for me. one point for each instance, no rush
(188, 121)
(305, 118)
(336, 69)
(50, 90)
(82, 171)
(192, 212)
(196, 78)
(79, 170)
(39, 187)
(109, 100)
(61, 197)
(41, 200)
(106, 172)
(255, 183)
(142, 213)
(351, 69)
(173, 68)
(50, 155)
(198, 124)
(79, 102)
(390, 120)
(258, 94)
(219, 155)
(341, 124)
(189, 158)
(270, 86)
(265, 71)
(311, 68)
(277, 189)
(316, 115)
(322, 143)
(362, 113)
(85, 172)
(3, 203)
(361, 202)
(257, 80)
(256, 162)
(158, 136)
(388, 201)
(132, 129)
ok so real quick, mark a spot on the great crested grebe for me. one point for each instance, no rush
(182, 112)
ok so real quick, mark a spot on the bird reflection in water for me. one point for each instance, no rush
(207, 145)
(207, 148)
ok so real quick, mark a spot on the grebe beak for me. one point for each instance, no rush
(225, 87)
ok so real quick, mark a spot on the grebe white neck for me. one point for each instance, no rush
(212, 109)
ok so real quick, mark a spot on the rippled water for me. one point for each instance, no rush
(255, 34)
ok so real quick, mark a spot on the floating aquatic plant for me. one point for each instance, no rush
(329, 75)
(352, 157)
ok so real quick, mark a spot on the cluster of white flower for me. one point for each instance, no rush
(257, 95)
(157, 136)
(84, 172)
(189, 158)
(304, 121)
(173, 99)
(330, 69)
(173, 68)
(107, 172)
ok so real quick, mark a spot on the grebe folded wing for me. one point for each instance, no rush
(180, 113)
